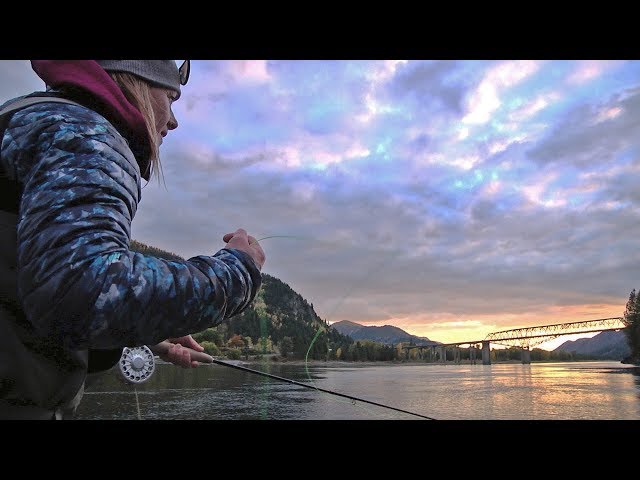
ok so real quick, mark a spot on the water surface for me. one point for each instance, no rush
(539, 391)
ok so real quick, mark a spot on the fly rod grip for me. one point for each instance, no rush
(163, 348)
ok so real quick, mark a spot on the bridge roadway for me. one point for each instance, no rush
(522, 337)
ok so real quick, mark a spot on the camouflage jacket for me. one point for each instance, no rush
(78, 286)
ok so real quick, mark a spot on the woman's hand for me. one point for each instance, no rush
(248, 244)
(182, 351)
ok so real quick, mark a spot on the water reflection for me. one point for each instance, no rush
(636, 378)
(589, 390)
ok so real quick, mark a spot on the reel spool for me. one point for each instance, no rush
(136, 364)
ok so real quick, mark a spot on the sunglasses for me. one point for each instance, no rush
(184, 72)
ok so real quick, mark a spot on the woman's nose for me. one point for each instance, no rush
(173, 122)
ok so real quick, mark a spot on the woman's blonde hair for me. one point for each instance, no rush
(138, 93)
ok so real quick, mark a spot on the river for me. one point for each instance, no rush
(540, 391)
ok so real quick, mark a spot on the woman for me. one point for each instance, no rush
(73, 293)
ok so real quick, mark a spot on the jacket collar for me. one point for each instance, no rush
(89, 84)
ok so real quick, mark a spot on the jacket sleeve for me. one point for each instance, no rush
(78, 281)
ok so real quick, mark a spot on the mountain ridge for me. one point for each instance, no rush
(386, 334)
(610, 344)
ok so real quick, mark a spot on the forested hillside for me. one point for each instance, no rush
(280, 321)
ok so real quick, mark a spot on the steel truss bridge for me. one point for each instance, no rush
(531, 336)
(523, 338)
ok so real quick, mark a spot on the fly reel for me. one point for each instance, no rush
(136, 364)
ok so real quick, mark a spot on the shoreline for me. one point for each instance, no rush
(390, 363)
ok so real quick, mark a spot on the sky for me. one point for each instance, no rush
(451, 199)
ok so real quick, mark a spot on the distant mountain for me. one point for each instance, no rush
(607, 345)
(345, 327)
(387, 334)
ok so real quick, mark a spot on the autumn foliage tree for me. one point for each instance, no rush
(236, 341)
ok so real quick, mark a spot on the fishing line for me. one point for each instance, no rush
(321, 329)
(283, 236)
(306, 368)
(349, 292)
(137, 403)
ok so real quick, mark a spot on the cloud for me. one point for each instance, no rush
(431, 84)
(587, 70)
(448, 198)
(486, 97)
(587, 137)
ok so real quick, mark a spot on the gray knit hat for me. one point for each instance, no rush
(162, 73)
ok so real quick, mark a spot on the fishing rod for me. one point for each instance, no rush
(350, 397)
(137, 365)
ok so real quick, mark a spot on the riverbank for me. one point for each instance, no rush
(338, 363)
(276, 360)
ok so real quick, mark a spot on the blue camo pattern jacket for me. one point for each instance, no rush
(78, 282)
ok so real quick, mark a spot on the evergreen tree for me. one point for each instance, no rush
(632, 321)
(286, 346)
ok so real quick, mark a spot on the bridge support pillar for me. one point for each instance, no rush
(443, 354)
(526, 355)
(486, 353)
(456, 354)
(472, 354)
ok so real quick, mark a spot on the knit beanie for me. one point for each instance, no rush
(161, 73)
